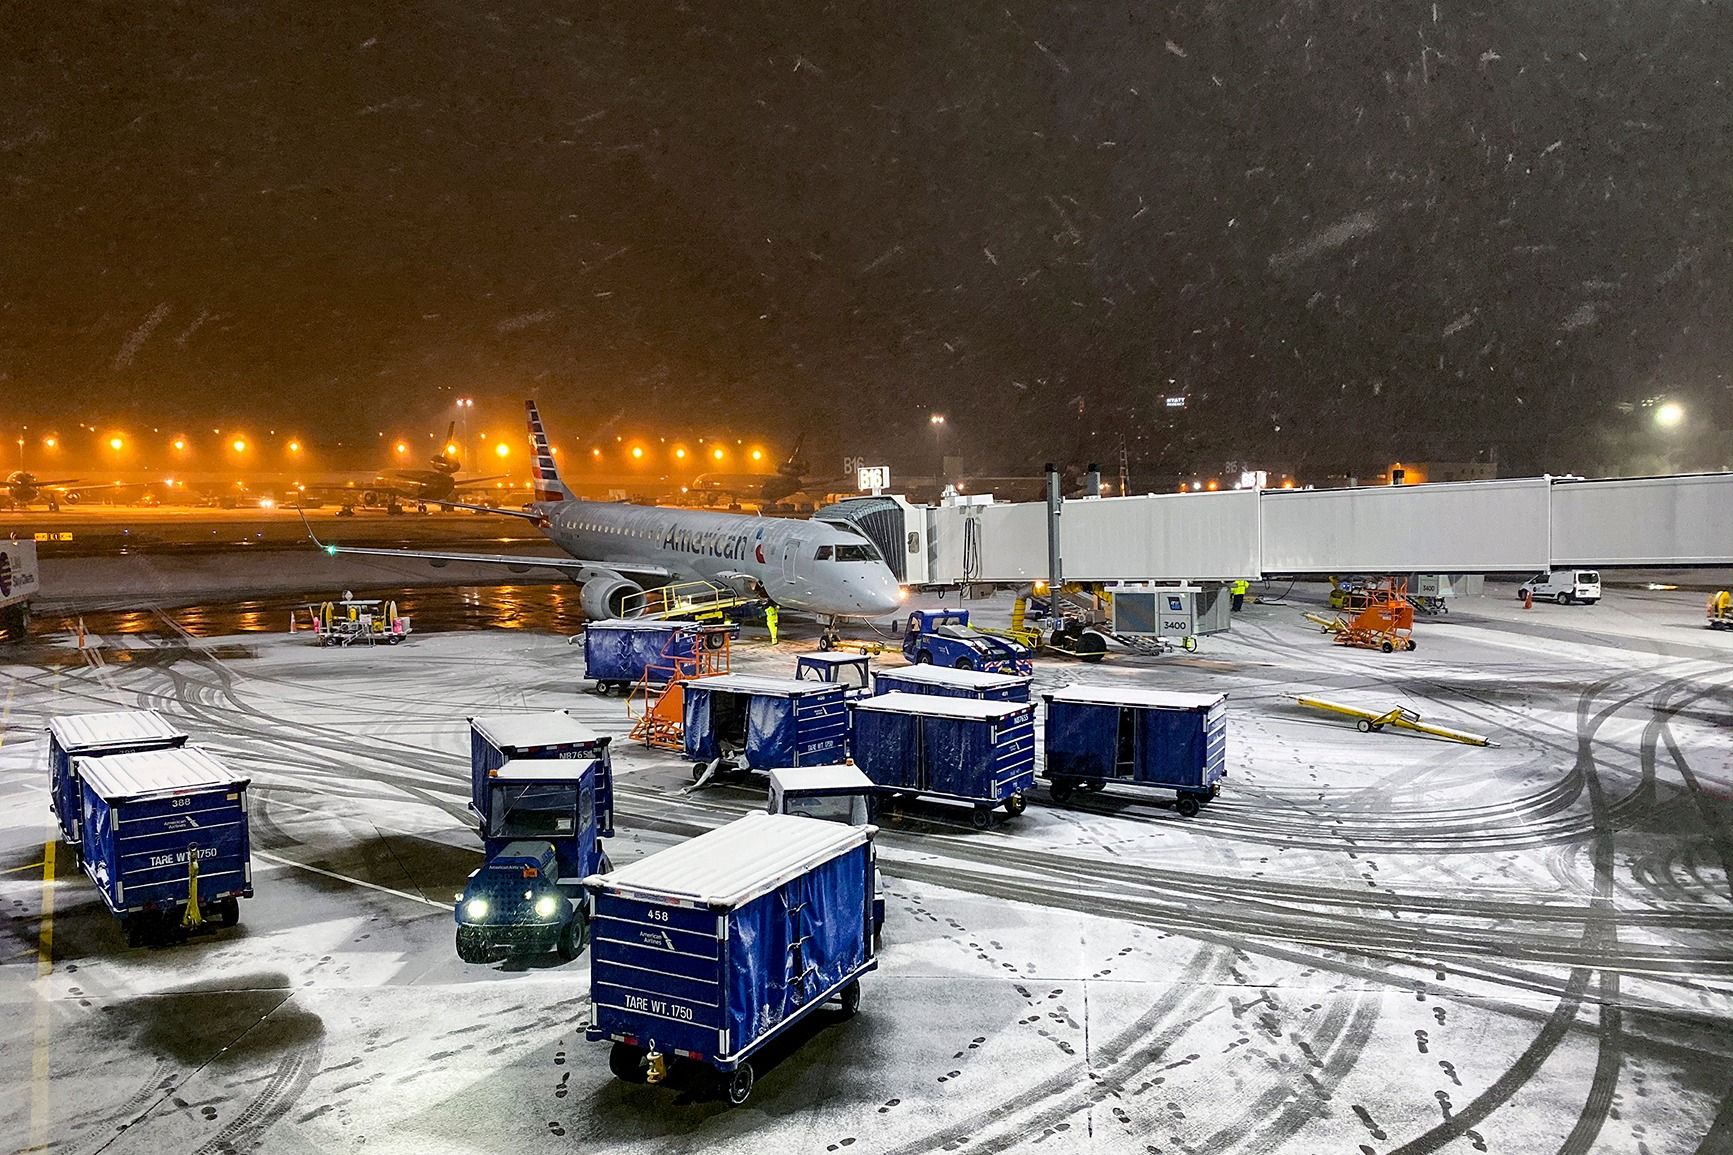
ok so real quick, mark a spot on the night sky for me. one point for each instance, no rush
(1345, 229)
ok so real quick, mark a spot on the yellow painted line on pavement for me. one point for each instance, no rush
(39, 1071)
(28, 866)
(45, 940)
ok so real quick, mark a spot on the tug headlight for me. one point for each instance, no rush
(475, 909)
(546, 905)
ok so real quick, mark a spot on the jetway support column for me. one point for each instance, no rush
(1055, 558)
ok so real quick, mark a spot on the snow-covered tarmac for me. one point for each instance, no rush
(1370, 943)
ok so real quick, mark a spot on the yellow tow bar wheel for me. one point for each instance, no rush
(191, 919)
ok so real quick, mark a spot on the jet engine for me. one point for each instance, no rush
(605, 597)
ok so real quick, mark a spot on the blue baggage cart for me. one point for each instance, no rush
(1154, 739)
(540, 826)
(852, 671)
(948, 682)
(831, 794)
(165, 838)
(620, 652)
(966, 749)
(496, 739)
(708, 950)
(89, 735)
(742, 722)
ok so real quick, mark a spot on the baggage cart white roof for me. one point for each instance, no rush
(541, 770)
(148, 772)
(1134, 696)
(89, 733)
(731, 865)
(949, 676)
(546, 728)
(756, 684)
(837, 777)
(833, 658)
(639, 624)
(932, 706)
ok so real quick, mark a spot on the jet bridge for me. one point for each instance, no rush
(1506, 526)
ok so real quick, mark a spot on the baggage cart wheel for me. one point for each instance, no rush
(738, 1087)
(1364, 725)
(1410, 643)
(1187, 806)
(574, 937)
(627, 1063)
(134, 931)
(698, 769)
(1016, 804)
(980, 818)
(1061, 791)
(1094, 785)
(1387, 648)
(228, 912)
(851, 999)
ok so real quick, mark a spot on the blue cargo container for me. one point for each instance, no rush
(965, 749)
(1153, 739)
(745, 722)
(619, 652)
(706, 951)
(496, 739)
(165, 838)
(89, 735)
(946, 682)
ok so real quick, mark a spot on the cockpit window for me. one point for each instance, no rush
(823, 553)
(856, 553)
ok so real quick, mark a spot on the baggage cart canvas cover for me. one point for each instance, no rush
(618, 650)
(663, 972)
(1169, 747)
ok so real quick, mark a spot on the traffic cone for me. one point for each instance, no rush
(1528, 599)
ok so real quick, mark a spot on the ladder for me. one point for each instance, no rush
(659, 698)
(693, 599)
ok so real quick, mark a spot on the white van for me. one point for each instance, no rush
(1563, 586)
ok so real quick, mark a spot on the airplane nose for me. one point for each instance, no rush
(883, 600)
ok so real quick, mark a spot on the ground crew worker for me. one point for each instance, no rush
(1239, 589)
(770, 621)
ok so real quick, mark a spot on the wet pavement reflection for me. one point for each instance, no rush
(550, 608)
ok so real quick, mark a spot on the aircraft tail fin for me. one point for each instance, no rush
(547, 483)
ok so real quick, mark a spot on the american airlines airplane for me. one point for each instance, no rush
(618, 550)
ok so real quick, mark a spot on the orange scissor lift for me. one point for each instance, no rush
(657, 702)
(1382, 617)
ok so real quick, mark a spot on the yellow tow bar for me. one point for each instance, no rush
(191, 918)
(1370, 721)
